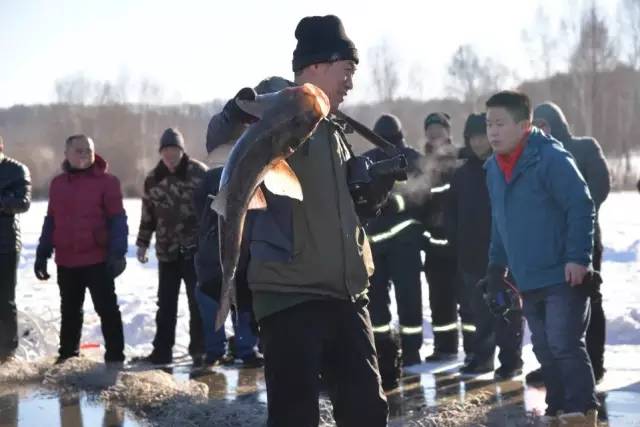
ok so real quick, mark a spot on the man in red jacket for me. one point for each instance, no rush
(86, 224)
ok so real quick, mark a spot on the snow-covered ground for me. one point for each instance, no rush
(38, 302)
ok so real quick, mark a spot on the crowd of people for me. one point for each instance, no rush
(504, 227)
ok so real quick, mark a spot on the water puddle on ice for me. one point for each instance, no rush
(33, 406)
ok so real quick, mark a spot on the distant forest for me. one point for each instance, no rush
(598, 89)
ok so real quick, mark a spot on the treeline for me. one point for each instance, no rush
(586, 65)
(127, 134)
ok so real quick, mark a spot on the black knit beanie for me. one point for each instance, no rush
(442, 119)
(322, 39)
(476, 124)
(389, 127)
(171, 137)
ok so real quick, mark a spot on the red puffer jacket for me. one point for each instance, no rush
(80, 204)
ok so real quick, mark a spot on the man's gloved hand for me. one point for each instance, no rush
(141, 254)
(40, 268)
(237, 114)
(495, 280)
(498, 297)
(116, 265)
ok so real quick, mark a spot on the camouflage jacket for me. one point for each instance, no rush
(167, 209)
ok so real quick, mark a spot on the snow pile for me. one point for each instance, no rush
(38, 335)
(165, 401)
(80, 373)
(23, 371)
(624, 329)
(151, 390)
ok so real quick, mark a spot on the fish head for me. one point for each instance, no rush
(303, 107)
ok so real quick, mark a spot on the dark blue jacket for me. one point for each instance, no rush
(207, 258)
(469, 216)
(543, 218)
(396, 224)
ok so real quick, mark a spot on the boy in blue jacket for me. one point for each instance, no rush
(542, 230)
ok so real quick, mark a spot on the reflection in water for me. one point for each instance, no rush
(216, 381)
(225, 383)
(70, 413)
(113, 416)
(510, 403)
(9, 410)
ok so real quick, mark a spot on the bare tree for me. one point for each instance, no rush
(629, 17)
(543, 43)
(75, 89)
(465, 71)
(384, 69)
(472, 76)
(594, 54)
(415, 81)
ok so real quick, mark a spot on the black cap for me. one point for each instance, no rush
(476, 124)
(442, 119)
(171, 137)
(389, 127)
(322, 39)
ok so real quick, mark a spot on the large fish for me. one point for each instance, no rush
(286, 120)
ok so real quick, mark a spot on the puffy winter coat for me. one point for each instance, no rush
(86, 220)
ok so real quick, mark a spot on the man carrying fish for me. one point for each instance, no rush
(309, 256)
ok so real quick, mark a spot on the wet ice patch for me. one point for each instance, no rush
(450, 414)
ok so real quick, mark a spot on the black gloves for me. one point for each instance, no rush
(370, 183)
(237, 114)
(116, 265)
(495, 279)
(499, 297)
(40, 268)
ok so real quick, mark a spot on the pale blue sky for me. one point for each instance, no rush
(201, 50)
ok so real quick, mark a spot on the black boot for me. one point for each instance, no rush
(535, 377)
(389, 360)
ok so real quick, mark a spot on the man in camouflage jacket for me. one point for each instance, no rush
(167, 210)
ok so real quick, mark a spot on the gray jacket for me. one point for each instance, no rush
(585, 150)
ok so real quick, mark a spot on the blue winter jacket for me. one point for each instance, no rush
(543, 218)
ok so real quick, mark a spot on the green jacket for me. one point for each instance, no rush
(167, 209)
(316, 247)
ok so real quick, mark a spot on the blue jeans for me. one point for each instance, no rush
(215, 341)
(558, 317)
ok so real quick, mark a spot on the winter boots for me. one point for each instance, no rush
(389, 360)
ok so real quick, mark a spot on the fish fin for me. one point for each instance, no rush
(219, 203)
(223, 310)
(280, 179)
(258, 201)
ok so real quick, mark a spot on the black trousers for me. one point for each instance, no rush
(445, 293)
(171, 274)
(329, 339)
(8, 312)
(596, 334)
(73, 282)
(492, 331)
(398, 263)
